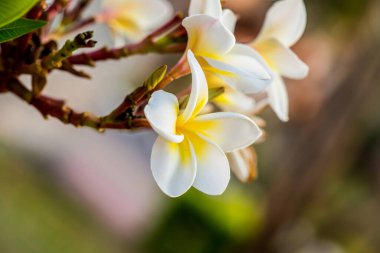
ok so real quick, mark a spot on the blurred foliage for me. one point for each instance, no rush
(211, 224)
(332, 11)
(35, 217)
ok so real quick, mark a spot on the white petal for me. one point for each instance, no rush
(242, 69)
(285, 21)
(278, 98)
(230, 131)
(162, 112)
(173, 166)
(243, 164)
(229, 19)
(213, 170)
(208, 35)
(199, 90)
(283, 59)
(232, 100)
(212, 8)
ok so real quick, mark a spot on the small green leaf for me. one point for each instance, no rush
(155, 78)
(11, 10)
(18, 28)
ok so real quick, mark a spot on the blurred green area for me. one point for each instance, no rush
(36, 217)
(207, 224)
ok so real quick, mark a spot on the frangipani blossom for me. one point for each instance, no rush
(134, 19)
(211, 38)
(190, 149)
(284, 24)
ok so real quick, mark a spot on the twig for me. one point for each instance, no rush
(82, 40)
(170, 38)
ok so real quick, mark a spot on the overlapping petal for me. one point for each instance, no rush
(162, 113)
(230, 131)
(173, 166)
(242, 69)
(243, 164)
(207, 35)
(213, 170)
(235, 101)
(212, 8)
(285, 21)
(278, 98)
(199, 90)
(283, 59)
(229, 19)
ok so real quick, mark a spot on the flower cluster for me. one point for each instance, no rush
(192, 144)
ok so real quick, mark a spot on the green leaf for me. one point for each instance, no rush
(18, 28)
(155, 78)
(11, 10)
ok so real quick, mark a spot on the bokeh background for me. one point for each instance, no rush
(69, 190)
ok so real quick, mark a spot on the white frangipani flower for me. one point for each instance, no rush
(190, 149)
(284, 24)
(211, 38)
(134, 19)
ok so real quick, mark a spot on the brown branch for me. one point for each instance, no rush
(48, 106)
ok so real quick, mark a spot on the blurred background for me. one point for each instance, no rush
(318, 191)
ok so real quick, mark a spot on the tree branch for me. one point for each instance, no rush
(48, 106)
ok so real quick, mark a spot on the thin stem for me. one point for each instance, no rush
(77, 26)
(76, 12)
(57, 7)
(170, 38)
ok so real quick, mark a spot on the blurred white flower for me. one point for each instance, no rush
(244, 164)
(190, 149)
(211, 38)
(132, 20)
(284, 24)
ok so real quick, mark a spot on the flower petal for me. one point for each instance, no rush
(278, 98)
(242, 69)
(283, 59)
(230, 131)
(208, 35)
(243, 164)
(229, 19)
(232, 100)
(173, 166)
(212, 8)
(162, 112)
(199, 90)
(285, 21)
(213, 170)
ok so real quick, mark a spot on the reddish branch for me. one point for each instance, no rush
(48, 106)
